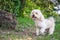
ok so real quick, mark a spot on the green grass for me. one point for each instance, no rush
(24, 23)
(27, 25)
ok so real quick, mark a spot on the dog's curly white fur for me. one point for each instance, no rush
(41, 23)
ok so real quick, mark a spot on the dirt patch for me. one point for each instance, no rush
(26, 34)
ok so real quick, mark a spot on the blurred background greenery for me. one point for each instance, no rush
(23, 8)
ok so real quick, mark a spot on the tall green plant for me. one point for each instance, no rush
(14, 6)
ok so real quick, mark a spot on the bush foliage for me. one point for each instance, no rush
(23, 8)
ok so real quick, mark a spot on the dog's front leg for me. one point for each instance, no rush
(42, 30)
(37, 31)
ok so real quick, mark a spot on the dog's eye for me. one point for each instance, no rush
(36, 13)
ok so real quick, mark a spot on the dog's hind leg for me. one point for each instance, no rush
(51, 30)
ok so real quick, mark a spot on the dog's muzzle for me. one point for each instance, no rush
(33, 16)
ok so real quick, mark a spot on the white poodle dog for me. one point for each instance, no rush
(41, 23)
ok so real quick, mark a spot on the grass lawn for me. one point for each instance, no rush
(26, 31)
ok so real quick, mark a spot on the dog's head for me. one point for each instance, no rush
(36, 14)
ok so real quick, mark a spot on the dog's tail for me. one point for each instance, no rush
(51, 19)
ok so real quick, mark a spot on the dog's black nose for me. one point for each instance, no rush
(33, 15)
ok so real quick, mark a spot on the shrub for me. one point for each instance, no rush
(7, 20)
